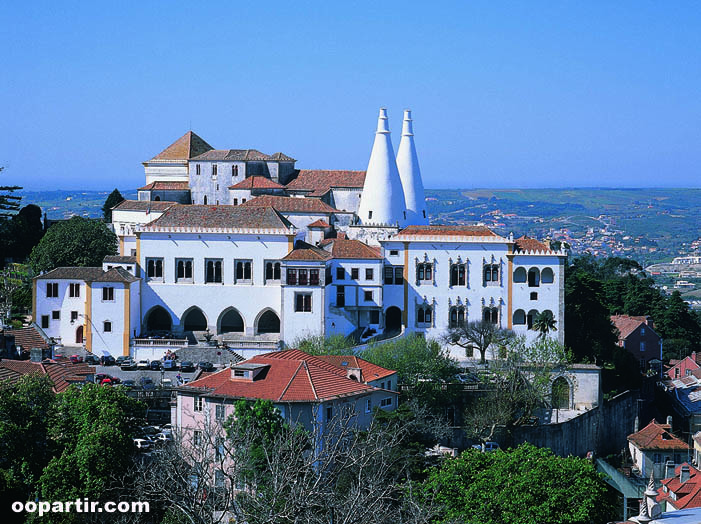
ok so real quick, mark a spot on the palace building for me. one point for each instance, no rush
(242, 246)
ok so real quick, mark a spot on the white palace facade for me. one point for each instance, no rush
(242, 247)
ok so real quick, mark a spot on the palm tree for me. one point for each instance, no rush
(544, 323)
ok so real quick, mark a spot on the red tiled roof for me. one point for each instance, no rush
(370, 370)
(143, 205)
(627, 324)
(241, 155)
(525, 243)
(319, 223)
(165, 186)
(346, 248)
(291, 376)
(657, 436)
(688, 494)
(187, 146)
(457, 231)
(319, 181)
(61, 374)
(28, 338)
(220, 217)
(257, 182)
(286, 204)
(310, 253)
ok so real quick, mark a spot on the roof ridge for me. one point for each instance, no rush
(290, 381)
(309, 376)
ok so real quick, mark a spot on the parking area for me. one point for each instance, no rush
(155, 376)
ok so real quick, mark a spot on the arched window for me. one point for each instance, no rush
(457, 317)
(533, 277)
(560, 394)
(424, 314)
(490, 314)
(420, 315)
(519, 317)
(547, 276)
(276, 271)
(156, 199)
(268, 271)
(234, 170)
(520, 275)
(268, 322)
(458, 274)
(491, 274)
(204, 200)
(530, 317)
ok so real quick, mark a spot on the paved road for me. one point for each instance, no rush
(136, 375)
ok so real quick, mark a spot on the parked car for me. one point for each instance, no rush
(142, 364)
(128, 364)
(75, 359)
(170, 365)
(187, 365)
(99, 377)
(116, 380)
(92, 359)
(107, 381)
(206, 366)
(155, 365)
(107, 360)
(142, 444)
(147, 383)
(166, 383)
(163, 438)
(129, 383)
(488, 446)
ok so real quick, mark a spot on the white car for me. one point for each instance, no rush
(142, 444)
(142, 364)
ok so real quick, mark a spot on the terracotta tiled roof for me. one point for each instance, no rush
(457, 231)
(319, 181)
(143, 205)
(319, 223)
(627, 324)
(87, 274)
(117, 274)
(286, 204)
(370, 370)
(657, 436)
(282, 157)
(346, 248)
(257, 182)
(525, 243)
(688, 494)
(291, 376)
(240, 155)
(61, 374)
(304, 251)
(119, 259)
(166, 186)
(219, 217)
(187, 146)
(29, 337)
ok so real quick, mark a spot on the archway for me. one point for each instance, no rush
(393, 319)
(194, 320)
(79, 335)
(268, 322)
(530, 317)
(157, 199)
(547, 276)
(533, 277)
(560, 393)
(519, 317)
(158, 319)
(520, 275)
(231, 321)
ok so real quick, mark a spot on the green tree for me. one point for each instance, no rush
(114, 198)
(9, 203)
(20, 233)
(91, 430)
(525, 485)
(320, 345)
(544, 322)
(479, 335)
(75, 242)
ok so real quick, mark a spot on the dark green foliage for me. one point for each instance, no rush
(9, 203)
(75, 242)
(320, 345)
(20, 233)
(114, 198)
(525, 485)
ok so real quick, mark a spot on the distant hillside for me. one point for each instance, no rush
(65, 204)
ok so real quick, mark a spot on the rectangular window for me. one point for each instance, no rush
(44, 321)
(292, 277)
(329, 413)
(303, 302)
(394, 275)
(74, 290)
(369, 273)
(642, 346)
(214, 169)
(183, 269)
(74, 316)
(197, 437)
(424, 271)
(107, 326)
(393, 252)
(457, 274)
(272, 270)
(374, 317)
(234, 170)
(212, 270)
(197, 169)
(243, 271)
(386, 402)
(303, 280)
(199, 403)
(355, 273)
(367, 295)
(340, 273)
(220, 412)
(340, 296)
(154, 268)
(368, 406)
(107, 294)
(55, 315)
(313, 277)
(236, 201)
(52, 290)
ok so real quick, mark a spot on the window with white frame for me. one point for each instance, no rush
(107, 294)
(74, 290)
(456, 316)
(272, 271)
(220, 412)
(368, 405)
(52, 290)
(107, 326)
(213, 270)
(386, 402)
(303, 302)
(424, 314)
(199, 403)
(424, 271)
(491, 274)
(394, 275)
(197, 437)
(458, 274)
(183, 269)
(243, 271)
(154, 268)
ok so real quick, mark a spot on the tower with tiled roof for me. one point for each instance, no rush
(410, 174)
(382, 202)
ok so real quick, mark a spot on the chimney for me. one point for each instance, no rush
(669, 421)
(36, 355)
(684, 474)
(669, 469)
(650, 322)
(636, 426)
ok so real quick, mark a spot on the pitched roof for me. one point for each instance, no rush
(307, 252)
(166, 186)
(687, 494)
(29, 337)
(62, 374)
(525, 243)
(240, 155)
(286, 204)
(257, 182)
(201, 217)
(117, 274)
(187, 146)
(319, 181)
(88, 274)
(282, 157)
(446, 231)
(355, 249)
(627, 324)
(657, 436)
(119, 259)
(319, 223)
(143, 205)
(290, 376)
(370, 370)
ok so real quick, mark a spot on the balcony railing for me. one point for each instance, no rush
(159, 342)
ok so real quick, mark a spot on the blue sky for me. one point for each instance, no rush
(504, 94)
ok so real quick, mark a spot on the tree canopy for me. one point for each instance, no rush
(75, 242)
(479, 335)
(114, 198)
(525, 485)
(9, 203)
